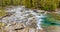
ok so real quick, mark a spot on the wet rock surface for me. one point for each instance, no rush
(19, 19)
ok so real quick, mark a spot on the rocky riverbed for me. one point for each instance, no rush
(20, 19)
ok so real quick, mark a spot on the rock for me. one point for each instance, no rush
(19, 18)
(14, 26)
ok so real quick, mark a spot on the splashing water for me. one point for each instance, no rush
(24, 16)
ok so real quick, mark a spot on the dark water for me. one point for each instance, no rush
(52, 19)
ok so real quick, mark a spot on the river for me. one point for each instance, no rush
(31, 18)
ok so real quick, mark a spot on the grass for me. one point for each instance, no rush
(2, 24)
(2, 12)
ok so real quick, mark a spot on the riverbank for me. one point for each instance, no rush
(35, 10)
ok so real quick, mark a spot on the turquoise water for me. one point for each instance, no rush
(51, 20)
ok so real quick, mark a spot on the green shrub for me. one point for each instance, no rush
(59, 4)
(2, 12)
(27, 3)
(16, 2)
(2, 2)
(50, 5)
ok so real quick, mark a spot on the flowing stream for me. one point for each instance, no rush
(29, 18)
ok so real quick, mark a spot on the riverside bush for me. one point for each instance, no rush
(49, 5)
(27, 3)
(2, 13)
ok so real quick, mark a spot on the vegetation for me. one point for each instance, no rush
(49, 5)
(2, 24)
(2, 12)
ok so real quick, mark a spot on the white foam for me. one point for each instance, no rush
(21, 15)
